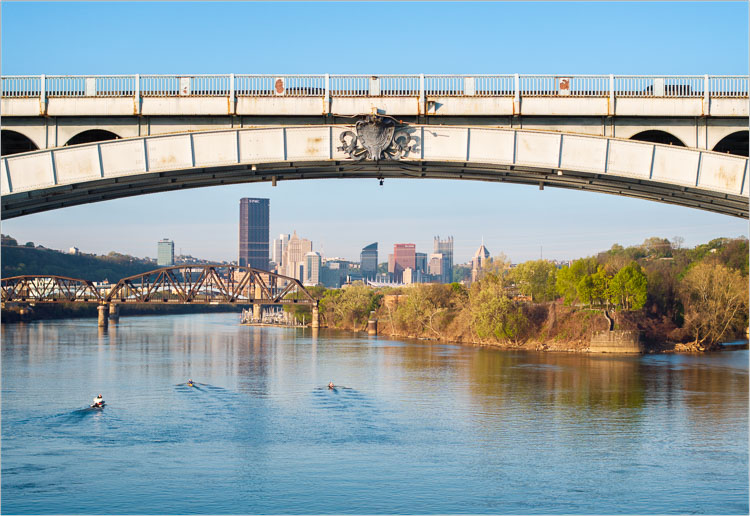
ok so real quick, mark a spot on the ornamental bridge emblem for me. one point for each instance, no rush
(377, 138)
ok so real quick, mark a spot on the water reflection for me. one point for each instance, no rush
(413, 426)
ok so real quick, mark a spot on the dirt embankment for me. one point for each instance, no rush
(552, 327)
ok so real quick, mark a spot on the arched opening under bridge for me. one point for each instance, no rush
(91, 136)
(735, 143)
(656, 136)
(13, 142)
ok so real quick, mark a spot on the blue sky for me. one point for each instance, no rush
(341, 216)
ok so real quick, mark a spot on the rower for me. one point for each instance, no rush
(331, 386)
(98, 401)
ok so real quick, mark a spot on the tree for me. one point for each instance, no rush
(735, 255)
(423, 303)
(461, 272)
(628, 288)
(716, 302)
(592, 289)
(493, 313)
(499, 266)
(536, 279)
(349, 307)
(9, 240)
(656, 247)
(569, 277)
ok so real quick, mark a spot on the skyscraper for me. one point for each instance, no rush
(369, 261)
(312, 268)
(279, 245)
(479, 262)
(254, 232)
(421, 262)
(165, 253)
(294, 256)
(404, 257)
(445, 247)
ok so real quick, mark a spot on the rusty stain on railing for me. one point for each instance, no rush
(415, 85)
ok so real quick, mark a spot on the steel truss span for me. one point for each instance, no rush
(184, 284)
(48, 289)
(56, 178)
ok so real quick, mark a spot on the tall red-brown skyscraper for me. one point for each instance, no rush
(404, 256)
(254, 232)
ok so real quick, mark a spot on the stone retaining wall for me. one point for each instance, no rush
(619, 341)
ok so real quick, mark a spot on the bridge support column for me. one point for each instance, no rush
(257, 306)
(103, 315)
(114, 312)
(315, 323)
(372, 324)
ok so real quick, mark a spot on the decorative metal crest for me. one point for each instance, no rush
(377, 138)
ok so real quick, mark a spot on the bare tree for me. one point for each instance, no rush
(716, 302)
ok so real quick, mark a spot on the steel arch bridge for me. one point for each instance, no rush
(183, 284)
(55, 178)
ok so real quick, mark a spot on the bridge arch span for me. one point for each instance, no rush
(14, 142)
(55, 178)
(734, 143)
(91, 136)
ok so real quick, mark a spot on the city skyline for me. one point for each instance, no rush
(468, 248)
(342, 216)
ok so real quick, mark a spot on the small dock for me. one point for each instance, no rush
(278, 318)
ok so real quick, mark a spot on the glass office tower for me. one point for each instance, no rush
(254, 232)
(165, 253)
(369, 261)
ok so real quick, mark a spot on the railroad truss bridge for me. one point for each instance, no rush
(184, 284)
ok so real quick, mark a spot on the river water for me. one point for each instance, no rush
(414, 427)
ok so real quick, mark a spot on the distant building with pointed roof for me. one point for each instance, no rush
(294, 255)
(479, 262)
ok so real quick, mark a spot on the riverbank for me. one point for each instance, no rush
(553, 327)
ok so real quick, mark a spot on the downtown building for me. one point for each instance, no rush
(403, 257)
(441, 260)
(368, 260)
(254, 232)
(277, 251)
(293, 258)
(165, 253)
(479, 262)
(336, 271)
(312, 269)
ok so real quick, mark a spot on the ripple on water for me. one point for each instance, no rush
(414, 427)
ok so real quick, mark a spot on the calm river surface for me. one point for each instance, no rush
(416, 427)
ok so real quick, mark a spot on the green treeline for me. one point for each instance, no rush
(21, 260)
(670, 293)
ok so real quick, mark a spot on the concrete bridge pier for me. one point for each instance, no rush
(315, 323)
(114, 312)
(103, 315)
(257, 315)
(372, 324)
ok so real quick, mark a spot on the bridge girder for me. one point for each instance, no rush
(687, 177)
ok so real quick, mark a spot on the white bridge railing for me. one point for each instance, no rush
(418, 86)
